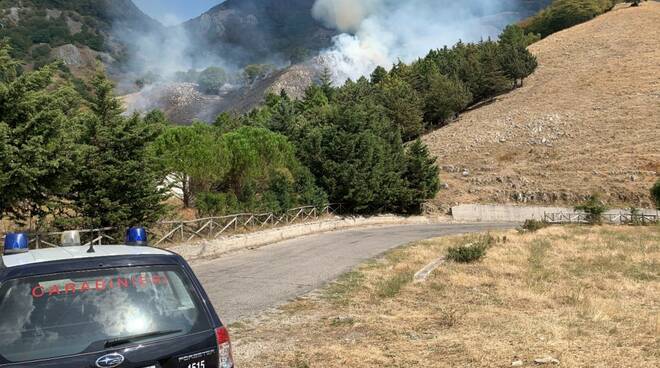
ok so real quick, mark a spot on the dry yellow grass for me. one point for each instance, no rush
(588, 120)
(589, 297)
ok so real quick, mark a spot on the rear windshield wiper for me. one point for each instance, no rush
(129, 339)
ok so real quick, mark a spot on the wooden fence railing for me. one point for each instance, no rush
(611, 218)
(203, 228)
(215, 227)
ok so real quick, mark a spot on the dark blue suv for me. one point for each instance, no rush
(106, 307)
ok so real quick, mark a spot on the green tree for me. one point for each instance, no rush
(120, 182)
(404, 106)
(378, 75)
(227, 122)
(217, 204)
(445, 98)
(212, 79)
(326, 83)
(284, 117)
(422, 177)
(255, 152)
(517, 62)
(354, 153)
(254, 72)
(655, 194)
(38, 152)
(195, 157)
(492, 80)
(515, 35)
(264, 174)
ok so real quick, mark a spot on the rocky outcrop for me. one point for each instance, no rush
(69, 54)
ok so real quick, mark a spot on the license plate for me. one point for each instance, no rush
(197, 364)
(198, 360)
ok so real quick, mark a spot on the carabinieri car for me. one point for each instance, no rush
(105, 306)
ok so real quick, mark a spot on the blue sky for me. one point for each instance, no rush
(171, 12)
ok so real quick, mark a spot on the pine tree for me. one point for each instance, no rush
(195, 157)
(120, 183)
(38, 153)
(421, 176)
(326, 83)
(492, 79)
(517, 62)
(445, 98)
(515, 35)
(378, 75)
(404, 106)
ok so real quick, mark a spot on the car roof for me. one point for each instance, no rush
(76, 252)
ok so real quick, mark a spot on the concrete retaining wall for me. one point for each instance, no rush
(496, 213)
(214, 248)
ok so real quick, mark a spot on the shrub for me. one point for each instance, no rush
(635, 217)
(533, 226)
(473, 249)
(217, 204)
(254, 72)
(594, 208)
(467, 253)
(212, 79)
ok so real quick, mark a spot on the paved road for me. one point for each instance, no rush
(246, 283)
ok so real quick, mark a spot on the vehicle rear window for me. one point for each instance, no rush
(70, 313)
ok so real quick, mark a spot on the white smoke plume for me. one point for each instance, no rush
(166, 51)
(344, 15)
(382, 32)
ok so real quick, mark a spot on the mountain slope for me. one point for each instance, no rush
(249, 31)
(587, 121)
(79, 32)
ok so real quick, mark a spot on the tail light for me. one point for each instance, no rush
(225, 358)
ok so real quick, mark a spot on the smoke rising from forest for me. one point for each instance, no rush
(382, 32)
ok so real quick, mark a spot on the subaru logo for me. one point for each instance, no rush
(110, 360)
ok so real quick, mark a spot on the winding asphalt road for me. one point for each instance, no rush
(243, 284)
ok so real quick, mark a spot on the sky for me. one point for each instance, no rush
(171, 12)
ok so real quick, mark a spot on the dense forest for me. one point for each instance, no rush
(68, 158)
(72, 159)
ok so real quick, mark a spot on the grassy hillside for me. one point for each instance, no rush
(587, 121)
(587, 297)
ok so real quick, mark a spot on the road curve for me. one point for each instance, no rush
(246, 283)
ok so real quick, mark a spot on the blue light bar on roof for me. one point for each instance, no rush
(136, 236)
(16, 243)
